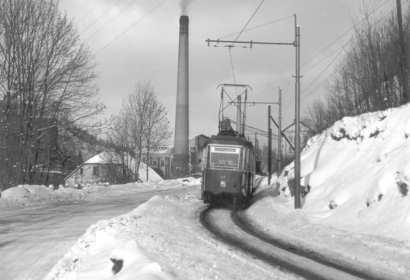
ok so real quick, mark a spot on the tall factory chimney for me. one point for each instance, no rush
(181, 144)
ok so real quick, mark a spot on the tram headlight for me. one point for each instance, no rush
(222, 184)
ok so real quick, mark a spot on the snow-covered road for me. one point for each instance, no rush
(33, 239)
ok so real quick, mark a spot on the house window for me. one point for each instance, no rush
(96, 171)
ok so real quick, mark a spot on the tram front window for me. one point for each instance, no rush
(224, 157)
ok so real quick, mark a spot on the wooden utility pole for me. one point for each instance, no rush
(298, 203)
(269, 145)
(280, 132)
(239, 115)
(403, 54)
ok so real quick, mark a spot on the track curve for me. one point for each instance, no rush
(217, 221)
(233, 228)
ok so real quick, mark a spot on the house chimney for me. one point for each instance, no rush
(181, 145)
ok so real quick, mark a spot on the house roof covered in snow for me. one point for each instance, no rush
(104, 158)
(107, 157)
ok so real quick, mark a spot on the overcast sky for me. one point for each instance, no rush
(137, 40)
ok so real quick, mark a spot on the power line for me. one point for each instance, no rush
(317, 78)
(109, 19)
(139, 20)
(343, 34)
(257, 26)
(94, 22)
(339, 51)
(237, 37)
(249, 20)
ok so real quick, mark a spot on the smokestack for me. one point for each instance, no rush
(181, 145)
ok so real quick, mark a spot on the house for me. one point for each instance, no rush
(105, 167)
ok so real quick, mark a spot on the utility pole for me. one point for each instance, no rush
(269, 145)
(280, 132)
(244, 111)
(239, 115)
(298, 203)
(403, 54)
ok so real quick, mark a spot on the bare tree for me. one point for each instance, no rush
(46, 82)
(141, 126)
(369, 77)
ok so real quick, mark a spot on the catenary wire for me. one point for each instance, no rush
(126, 30)
(249, 20)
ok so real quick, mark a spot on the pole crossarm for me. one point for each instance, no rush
(289, 126)
(256, 103)
(283, 134)
(302, 123)
(250, 43)
(235, 85)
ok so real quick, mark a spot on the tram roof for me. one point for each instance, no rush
(230, 140)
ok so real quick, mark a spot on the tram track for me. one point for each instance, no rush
(234, 229)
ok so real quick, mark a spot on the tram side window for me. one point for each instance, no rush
(205, 158)
(245, 165)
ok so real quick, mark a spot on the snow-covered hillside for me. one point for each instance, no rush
(358, 172)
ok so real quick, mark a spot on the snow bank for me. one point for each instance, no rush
(30, 195)
(25, 195)
(188, 181)
(109, 250)
(274, 215)
(358, 173)
(153, 177)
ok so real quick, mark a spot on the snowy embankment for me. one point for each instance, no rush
(109, 248)
(161, 239)
(33, 195)
(358, 206)
(358, 171)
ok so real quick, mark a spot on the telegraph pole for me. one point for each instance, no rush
(280, 132)
(244, 111)
(239, 115)
(403, 53)
(269, 145)
(298, 203)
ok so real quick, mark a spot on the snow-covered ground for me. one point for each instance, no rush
(32, 195)
(161, 239)
(32, 239)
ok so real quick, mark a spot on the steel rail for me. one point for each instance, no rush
(279, 258)
(285, 255)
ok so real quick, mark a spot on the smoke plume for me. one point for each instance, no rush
(184, 6)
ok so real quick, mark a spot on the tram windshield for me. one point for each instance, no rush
(225, 157)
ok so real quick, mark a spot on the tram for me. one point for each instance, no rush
(228, 168)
